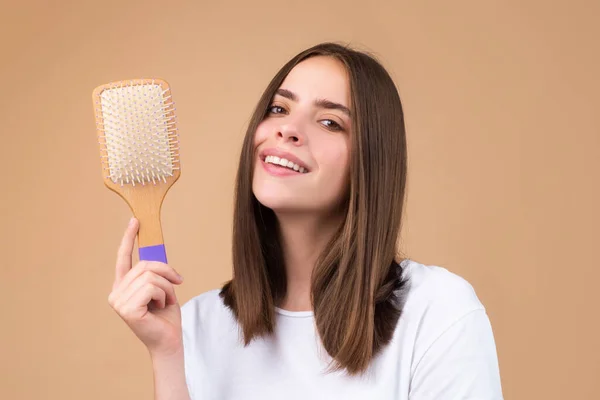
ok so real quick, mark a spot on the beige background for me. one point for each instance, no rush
(502, 108)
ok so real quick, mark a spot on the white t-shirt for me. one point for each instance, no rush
(443, 348)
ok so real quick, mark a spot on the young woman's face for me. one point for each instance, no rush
(307, 128)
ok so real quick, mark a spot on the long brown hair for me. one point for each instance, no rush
(356, 284)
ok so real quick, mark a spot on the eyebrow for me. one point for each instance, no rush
(321, 103)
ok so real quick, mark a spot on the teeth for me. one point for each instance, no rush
(284, 163)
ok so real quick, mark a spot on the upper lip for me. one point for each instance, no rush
(282, 154)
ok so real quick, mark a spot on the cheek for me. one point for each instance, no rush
(335, 157)
(334, 180)
(261, 134)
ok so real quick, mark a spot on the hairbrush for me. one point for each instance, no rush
(139, 151)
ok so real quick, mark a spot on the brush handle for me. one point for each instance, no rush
(150, 239)
(145, 203)
(153, 253)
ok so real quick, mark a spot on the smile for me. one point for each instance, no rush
(282, 162)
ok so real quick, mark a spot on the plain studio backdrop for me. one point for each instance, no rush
(502, 112)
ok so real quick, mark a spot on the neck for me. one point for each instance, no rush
(303, 239)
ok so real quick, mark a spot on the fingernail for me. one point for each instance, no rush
(180, 277)
(131, 221)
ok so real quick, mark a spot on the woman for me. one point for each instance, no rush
(320, 306)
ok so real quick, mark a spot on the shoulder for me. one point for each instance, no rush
(209, 299)
(453, 351)
(434, 281)
(205, 310)
(435, 285)
(436, 298)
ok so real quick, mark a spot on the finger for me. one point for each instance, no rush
(137, 307)
(151, 278)
(156, 267)
(125, 251)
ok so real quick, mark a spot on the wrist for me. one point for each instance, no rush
(171, 353)
(168, 367)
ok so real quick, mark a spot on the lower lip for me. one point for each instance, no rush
(278, 170)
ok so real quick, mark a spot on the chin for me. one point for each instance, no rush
(275, 195)
(278, 202)
(282, 198)
(293, 205)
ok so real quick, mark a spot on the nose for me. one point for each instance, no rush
(290, 133)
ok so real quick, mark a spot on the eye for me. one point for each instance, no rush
(331, 125)
(276, 110)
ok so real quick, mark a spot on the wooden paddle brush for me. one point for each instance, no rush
(139, 150)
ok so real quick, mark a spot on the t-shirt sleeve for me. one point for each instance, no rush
(189, 326)
(194, 343)
(460, 364)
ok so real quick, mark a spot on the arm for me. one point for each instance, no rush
(460, 364)
(144, 297)
(169, 377)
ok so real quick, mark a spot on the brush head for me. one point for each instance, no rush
(138, 139)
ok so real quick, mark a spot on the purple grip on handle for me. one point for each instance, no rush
(153, 253)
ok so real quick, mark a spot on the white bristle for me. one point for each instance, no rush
(138, 133)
